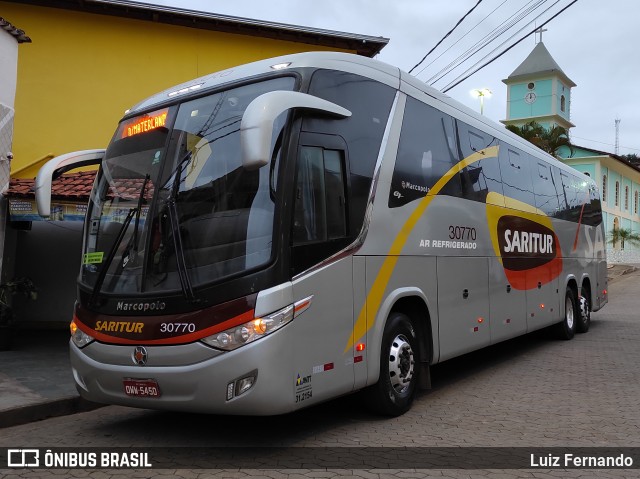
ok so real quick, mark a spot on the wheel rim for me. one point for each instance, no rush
(569, 312)
(401, 364)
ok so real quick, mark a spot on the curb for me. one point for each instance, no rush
(37, 412)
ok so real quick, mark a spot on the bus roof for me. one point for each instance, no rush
(364, 66)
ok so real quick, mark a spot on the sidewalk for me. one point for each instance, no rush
(36, 380)
(618, 271)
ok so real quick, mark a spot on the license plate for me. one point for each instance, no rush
(141, 388)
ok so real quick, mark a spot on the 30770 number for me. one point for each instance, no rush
(464, 233)
(177, 328)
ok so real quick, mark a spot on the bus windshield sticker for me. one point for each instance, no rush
(93, 258)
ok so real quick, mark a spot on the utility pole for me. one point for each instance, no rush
(617, 147)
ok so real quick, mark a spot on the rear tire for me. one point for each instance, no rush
(567, 328)
(393, 394)
(584, 318)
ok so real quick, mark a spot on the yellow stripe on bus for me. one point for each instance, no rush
(374, 298)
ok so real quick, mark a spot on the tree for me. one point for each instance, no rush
(622, 235)
(632, 158)
(549, 140)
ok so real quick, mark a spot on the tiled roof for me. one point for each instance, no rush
(71, 187)
(19, 35)
(77, 187)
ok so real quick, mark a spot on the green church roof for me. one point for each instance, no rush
(538, 62)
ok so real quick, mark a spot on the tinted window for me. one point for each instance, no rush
(481, 177)
(563, 207)
(545, 189)
(593, 215)
(320, 206)
(576, 194)
(516, 175)
(369, 102)
(425, 153)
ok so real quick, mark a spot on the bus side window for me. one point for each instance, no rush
(516, 175)
(320, 201)
(563, 208)
(483, 176)
(577, 196)
(544, 188)
(594, 216)
(370, 102)
(425, 153)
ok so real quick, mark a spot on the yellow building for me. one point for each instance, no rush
(91, 60)
(88, 62)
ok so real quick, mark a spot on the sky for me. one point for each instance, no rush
(594, 42)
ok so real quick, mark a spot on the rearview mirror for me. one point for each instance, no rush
(57, 166)
(256, 128)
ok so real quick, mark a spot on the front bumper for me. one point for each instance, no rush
(191, 377)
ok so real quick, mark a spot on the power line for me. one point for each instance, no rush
(507, 49)
(449, 33)
(490, 37)
(604, 143)
(498, 47)
(460, 39)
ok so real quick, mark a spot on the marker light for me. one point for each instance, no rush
(360, 347)
(280, 66)
(184, 90)
(250, 331)
(79, 337)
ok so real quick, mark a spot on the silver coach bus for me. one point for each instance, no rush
(281, 233)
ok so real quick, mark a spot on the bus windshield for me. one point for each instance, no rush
(172, 206)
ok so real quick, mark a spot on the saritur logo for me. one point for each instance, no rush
(529, 251)
(525, 242)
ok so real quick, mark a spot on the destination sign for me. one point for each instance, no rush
(145, 123)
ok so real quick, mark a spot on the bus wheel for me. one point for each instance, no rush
(393, 393)
(567, 328)
(584, 320)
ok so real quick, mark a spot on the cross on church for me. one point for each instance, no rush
(540, 30)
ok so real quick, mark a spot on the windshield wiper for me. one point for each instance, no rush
(110, 256)
(183, 274)
(120, 236)
(132, 247)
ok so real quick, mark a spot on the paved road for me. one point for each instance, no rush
(529, 392)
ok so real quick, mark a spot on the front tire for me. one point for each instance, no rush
(567, 328)
(393, 394)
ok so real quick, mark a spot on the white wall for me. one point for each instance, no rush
(8, 79)
(9, 69)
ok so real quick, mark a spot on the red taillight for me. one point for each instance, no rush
(360, 347)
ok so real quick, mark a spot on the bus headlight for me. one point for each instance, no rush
(250, 331)
(79, 337)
